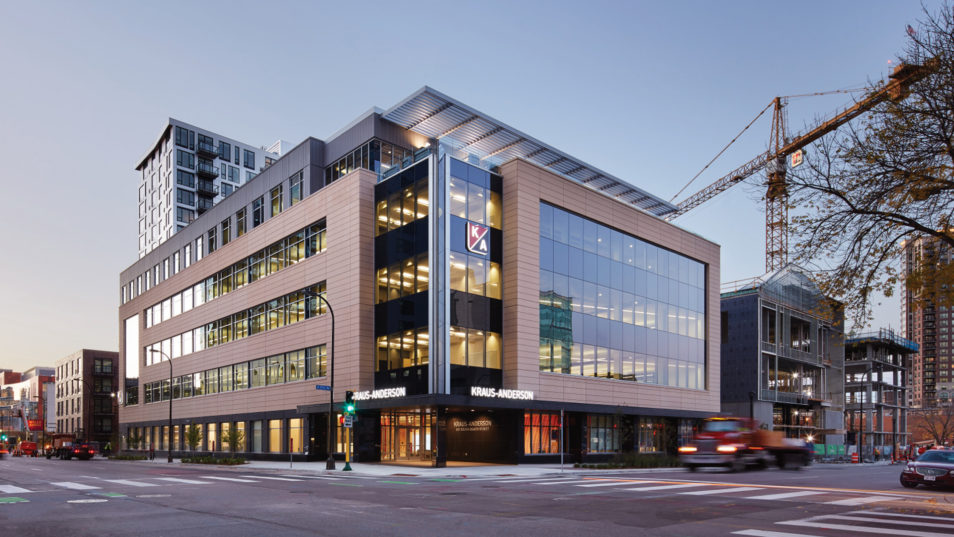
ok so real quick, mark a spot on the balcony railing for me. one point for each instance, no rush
(784, 397)
(205, 188)
(206, 169)
(206, 149)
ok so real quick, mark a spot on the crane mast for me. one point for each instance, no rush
(780, 147)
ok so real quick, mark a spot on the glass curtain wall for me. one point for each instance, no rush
(615, 306)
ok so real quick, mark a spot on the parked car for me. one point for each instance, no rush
(934, 467)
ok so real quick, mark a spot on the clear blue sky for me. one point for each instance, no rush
(648, 91)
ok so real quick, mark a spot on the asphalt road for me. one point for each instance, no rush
(40, 497)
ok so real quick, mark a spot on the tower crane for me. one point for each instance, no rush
(782, 147)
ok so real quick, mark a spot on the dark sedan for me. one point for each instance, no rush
(934, 467)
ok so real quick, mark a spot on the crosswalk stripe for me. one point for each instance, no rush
(878, 512)
(180, 480)
(566, 482)
(886, 521)
(863, 500)
(784, 495)
(855, 529)
(232, 479)
(10, 489)
(73, 486)
(726, 490)
(314, 477)
(766, 533)
(130, 482)
(667, 487)
(617, 483)
(272, 478)
(531, 480)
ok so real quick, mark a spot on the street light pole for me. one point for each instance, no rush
(87, 417)
(170, 399)
(330, 464)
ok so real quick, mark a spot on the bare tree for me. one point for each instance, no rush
(936, 424)
(882, 180)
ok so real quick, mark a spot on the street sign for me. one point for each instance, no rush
(322, 387)
(348, 420)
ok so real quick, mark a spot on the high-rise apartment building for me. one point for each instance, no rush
(486, 297)
(929, 324)
(185, 172)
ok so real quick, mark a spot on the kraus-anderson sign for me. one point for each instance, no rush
(478, 238)
(501, 393)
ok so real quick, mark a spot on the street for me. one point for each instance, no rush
(101, 497)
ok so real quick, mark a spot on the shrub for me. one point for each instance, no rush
(631, 459)
(208, 459)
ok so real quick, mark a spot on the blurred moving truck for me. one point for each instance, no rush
(739, 443)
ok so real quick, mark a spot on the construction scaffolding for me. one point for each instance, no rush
(876, 411)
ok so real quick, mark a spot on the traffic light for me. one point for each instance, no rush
(3, 437)
(349, 402)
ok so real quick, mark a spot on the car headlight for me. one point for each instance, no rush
(688, 449)
(727, 448)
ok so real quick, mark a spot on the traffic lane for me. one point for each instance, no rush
(869, 477)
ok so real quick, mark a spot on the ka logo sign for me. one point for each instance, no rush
(478, 238)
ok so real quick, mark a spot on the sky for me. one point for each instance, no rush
(647, 91)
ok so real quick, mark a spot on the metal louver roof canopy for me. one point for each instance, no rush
(435, 115)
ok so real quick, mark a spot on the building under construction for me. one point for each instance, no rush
(783, 358)
(876, 410)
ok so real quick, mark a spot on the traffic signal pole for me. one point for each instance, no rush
(349, 409)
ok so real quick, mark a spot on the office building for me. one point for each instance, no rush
(481, 285)
(87, 382)
(185, 172)
(876, 405)
(783, 356)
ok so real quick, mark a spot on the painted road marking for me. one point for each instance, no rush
(10, 489)
(532, 479)
(784, 495)
(74, 486)
(726, 490)
(88, 500)
(617, 483)
(887, 521)
(561, 482)
(232, 479)
(314, 477)
(880, 512)
(398, 482)
(130, 482)
(272, 478)
(863, 500)
(180, 480)
(667, 487)
(818, 522)
(153, 495)
(13, 499)
(765, 533)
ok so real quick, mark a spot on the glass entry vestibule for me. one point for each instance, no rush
(406, 434)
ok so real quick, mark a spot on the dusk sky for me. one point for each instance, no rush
(647, 91)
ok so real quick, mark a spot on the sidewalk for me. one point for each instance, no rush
(452, 470)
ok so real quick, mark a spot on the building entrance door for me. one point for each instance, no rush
(406, 435)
